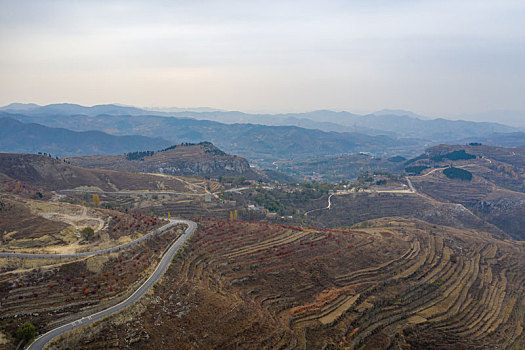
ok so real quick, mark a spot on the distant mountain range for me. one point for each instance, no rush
(514, 118)
(394, 123)
(18, 137)
(253, 141)
(267, 137)
(118, 109)
(73, 109)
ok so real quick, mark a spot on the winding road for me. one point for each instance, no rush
(432, 171)
(44, 339)
(327, 207)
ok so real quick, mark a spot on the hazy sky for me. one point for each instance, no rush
(432, 57)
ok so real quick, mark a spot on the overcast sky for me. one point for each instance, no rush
(432, 57)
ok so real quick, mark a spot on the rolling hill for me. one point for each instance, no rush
(253, 141)
(265, 138)
(337, 168)
(54, 174)
(187, 159)
(19, 137)
(496, 191)
(394, 123)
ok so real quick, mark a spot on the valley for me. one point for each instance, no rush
(262, 175)
(189, 245)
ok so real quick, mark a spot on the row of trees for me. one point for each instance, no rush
(50, 156)
(47, 154)
(139, 155)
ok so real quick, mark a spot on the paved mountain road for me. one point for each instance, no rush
(44, 339)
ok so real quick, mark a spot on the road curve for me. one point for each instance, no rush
(96, 252)
(44, 339)
(327, 207)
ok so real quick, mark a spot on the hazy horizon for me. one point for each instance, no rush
(451, 59)
(511, 118)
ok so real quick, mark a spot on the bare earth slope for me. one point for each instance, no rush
(55, 174)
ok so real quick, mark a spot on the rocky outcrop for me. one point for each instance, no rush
(215, 166)
(507, 213)
(203, 159)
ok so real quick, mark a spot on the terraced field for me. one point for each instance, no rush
(399, 283)
(47, 291)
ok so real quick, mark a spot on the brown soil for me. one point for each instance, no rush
(55, 174)
(395, 284)
(17, 222)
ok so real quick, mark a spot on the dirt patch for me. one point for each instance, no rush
(417, 319)
(96, 263)
(18, 222)
(3, 339)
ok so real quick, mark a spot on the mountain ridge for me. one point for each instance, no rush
(203, 159)
(392, 122)
(253, 141)
(19, 137)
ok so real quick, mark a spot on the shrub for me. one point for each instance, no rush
(415, 169)
(397, 159)
(456, 173)
(410, 161)
(26, 332)
(455, 155)
(87, 233)
(460, 155)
